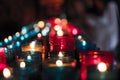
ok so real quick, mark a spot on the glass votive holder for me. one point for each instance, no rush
(96, 63)
(65, 43)
(61, 67)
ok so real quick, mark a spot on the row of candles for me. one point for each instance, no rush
(50, 53)
(58, 61)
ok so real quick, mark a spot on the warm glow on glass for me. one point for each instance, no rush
(6, 73)
(57, 20)
(102, 67)
(59, 63)
(32, 45)
(41, 24)
(95, 53)
(60, 33)
(57, 27)
(64, 22)
(60, 54)
(22, 64)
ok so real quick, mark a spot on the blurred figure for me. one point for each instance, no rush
(104, 24)
(75, 11)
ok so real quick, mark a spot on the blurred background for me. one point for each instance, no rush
(98, 18)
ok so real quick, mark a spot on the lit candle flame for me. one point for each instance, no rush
(59, 63)
(6, 73)
(102, 67)
(32, 45)
(60, 54)
(22, 64)
(60, 33)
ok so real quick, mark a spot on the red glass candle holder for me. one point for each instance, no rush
(2, 58)
(62, 43)
(94, 58)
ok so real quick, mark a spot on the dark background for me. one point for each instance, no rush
(16, 13)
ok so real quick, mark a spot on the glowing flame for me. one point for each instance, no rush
(60, 54)
(22, 64)
(59, 63)
(32, 45)
(102, 67)
(6, 73)
(60, 33)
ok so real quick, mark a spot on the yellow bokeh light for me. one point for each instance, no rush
(57, 21)
(59, 63)
(41, 24)
(57, 27)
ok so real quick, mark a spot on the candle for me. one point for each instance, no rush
(33, 52)
(7, 74)
(22, 65)
(97, 60)
(60, 68)
(60, 54)
(59, 63)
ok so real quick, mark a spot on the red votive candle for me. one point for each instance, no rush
(2, 58)
(94, 58)
(65, 43)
